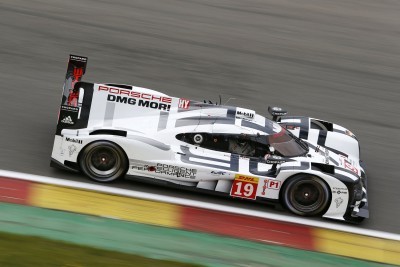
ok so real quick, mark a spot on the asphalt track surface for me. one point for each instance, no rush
(335, 60)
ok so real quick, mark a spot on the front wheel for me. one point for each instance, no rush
(306, 195)
(103, 161)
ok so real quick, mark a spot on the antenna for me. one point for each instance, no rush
(231, 98)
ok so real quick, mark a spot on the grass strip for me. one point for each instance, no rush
(21, 251)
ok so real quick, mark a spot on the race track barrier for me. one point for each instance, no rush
(173, 212)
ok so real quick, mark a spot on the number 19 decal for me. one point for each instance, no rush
(244, 186)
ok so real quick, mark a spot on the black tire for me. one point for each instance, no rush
(103, 161)
(306, 195)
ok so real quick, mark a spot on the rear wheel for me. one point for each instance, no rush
(103, 161)
(306, 195)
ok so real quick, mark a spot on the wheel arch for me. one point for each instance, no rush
(81, 152)
(286, 181)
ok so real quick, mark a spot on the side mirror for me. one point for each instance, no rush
(276, 112)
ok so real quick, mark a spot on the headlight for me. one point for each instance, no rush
(351, 134)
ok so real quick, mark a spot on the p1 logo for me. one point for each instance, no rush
(244, 186)
(270, 184)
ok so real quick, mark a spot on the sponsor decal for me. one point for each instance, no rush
(242, 113)
(274, 184)
(73, 140)
(274, 160)
(348, 164)
(83, 59)
(138, 102)
(77, 73)
(246, 178)
(350, 167)
(75, 70)
(270, 184)
(183, 103)
(171, 170)
(338, 201)
(338, 190)
(218, 173)
(69, 108)
(71, 149)
(67, 120)
(73, 97)
(278, 111)
(244, 186)
(68, 116)
(264, 187)
(138, 95)
(140, 167)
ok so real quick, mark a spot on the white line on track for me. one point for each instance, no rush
(195, 203)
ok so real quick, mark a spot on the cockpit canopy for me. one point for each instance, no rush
(284, 143)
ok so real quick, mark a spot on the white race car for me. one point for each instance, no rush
(108, 131)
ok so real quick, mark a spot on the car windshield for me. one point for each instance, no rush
(288, 145)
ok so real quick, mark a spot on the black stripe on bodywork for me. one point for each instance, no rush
(345, 179)
(338, 131)
(83, 120)
(268, 128)
(255, 126)
(323, 167)
(334, 161)
(253, 169)
(231, 113)
(233, 161)
(109, 132)
(336, 151)
(311, 145)
(304, 125)
(322, 138)
(124, 86)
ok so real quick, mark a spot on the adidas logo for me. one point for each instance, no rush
(67, 120)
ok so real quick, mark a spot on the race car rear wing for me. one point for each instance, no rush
(71, 101)
(96, 105)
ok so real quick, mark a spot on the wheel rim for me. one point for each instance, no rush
(307, 196)
(103, 161)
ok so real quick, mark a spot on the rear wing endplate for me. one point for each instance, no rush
(71, 100)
